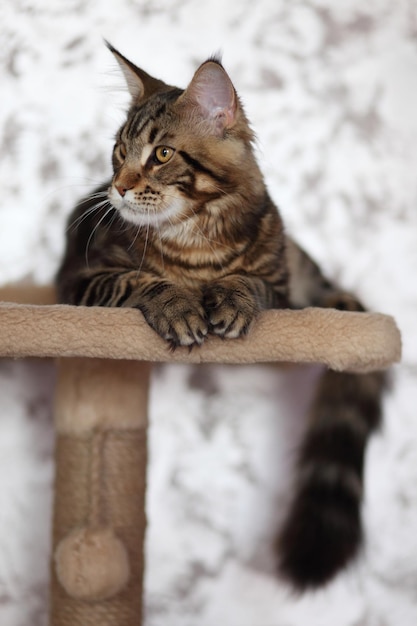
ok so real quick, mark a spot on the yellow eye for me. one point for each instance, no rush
(163, 154)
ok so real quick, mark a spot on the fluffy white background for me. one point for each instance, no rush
(331, 89)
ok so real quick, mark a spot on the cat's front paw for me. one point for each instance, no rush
(178, 318)
(230, 312)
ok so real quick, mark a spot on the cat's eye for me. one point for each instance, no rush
(163, 154)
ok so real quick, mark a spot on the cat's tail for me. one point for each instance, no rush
(322, 531)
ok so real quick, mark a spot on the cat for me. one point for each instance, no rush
(187, 233)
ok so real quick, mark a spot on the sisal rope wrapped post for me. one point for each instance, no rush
(99, 507)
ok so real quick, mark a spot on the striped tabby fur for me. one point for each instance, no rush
(186, 232)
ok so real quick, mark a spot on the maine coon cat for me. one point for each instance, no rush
(187, 233)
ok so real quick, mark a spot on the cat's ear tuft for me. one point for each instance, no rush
(140, 84)
(213, 96)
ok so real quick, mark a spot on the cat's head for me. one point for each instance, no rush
(179, 150)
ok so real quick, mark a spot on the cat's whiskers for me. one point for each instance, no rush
(92, 234)
(132, 243)
(144, 248)
(124, 225)
(97, 195)
(161, 247)
(59, 190)
(82, 217)
(113, 218)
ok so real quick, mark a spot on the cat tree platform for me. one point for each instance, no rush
(105, 358)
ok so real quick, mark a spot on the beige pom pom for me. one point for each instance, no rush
(92, 564)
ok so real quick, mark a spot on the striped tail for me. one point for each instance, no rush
(322, 531)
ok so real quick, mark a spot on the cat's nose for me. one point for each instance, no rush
(122, 190)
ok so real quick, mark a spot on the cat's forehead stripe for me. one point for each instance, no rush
(137, 126)
(142, 118)
(153, 134)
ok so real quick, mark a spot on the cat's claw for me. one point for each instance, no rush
(238, 327)
(187, 331)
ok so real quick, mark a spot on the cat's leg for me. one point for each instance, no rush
(174, 312)
(322, 530)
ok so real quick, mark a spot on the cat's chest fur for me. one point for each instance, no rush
(191, 253)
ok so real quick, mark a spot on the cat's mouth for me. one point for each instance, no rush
(147, 210)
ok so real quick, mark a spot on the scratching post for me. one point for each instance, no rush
(99, 516)
(101, 420)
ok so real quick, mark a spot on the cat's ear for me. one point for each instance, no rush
(140, 84)
(213, 97)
